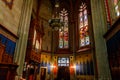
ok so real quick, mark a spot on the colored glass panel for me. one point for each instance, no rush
(83, 26)
(63, 61)
(34, 37)
(116, 7)
(63, 31)
(115, 2)
(85, 18)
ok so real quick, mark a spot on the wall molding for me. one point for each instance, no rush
(8, 33)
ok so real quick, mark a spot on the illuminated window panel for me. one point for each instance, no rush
(67, 61)
(59, 65)
(117, 10)
(60, 39)
(63, 65)
(37, 44)
(65, 39)
(82, 42)
(63, 31)
(85, 18)
(87, 40)
(83, 26)
(34, 37)
(116, 7)
(61, 43)
(81, 20)
(63, 61)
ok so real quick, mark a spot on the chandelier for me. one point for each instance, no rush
(55, 22)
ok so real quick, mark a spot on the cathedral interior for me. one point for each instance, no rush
(59, 39)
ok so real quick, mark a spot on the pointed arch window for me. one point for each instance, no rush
(116, 7)
(83, 26)
(63, 31)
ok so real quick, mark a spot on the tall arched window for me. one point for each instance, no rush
(63, 31)
(34, 38)
(83, 26)
(116, 7)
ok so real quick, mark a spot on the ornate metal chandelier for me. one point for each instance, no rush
(56, 22)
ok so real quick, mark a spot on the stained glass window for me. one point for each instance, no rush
(37, 45)
(34, 37)
(63, 61)
(116, 7)
(83, 26)
(63, 31)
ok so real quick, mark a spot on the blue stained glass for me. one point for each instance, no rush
(83, 26)
(87, 41)
(63, 61)
(63, 32)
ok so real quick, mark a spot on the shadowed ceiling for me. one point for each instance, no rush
(70, 5)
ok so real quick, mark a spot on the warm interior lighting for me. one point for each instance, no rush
(53, 66)
(74, 66)
(57, 5)
(55, 23)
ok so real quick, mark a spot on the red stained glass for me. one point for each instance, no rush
(115, 2)
(83, 26)
(63, 33)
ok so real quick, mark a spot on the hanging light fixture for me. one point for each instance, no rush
(55, 22)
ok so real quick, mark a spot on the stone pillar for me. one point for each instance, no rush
(97, 10)
(23, 31)
(72, 44)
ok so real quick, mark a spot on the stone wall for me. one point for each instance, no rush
(45, 10)
(9, 18)
(45, 15)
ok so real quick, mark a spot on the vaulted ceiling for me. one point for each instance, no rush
(72, 6)
(69, 4)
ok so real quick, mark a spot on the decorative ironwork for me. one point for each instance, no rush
(55, 23)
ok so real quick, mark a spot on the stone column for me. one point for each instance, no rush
(97, 9)
(23, 31)
(72, 42)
